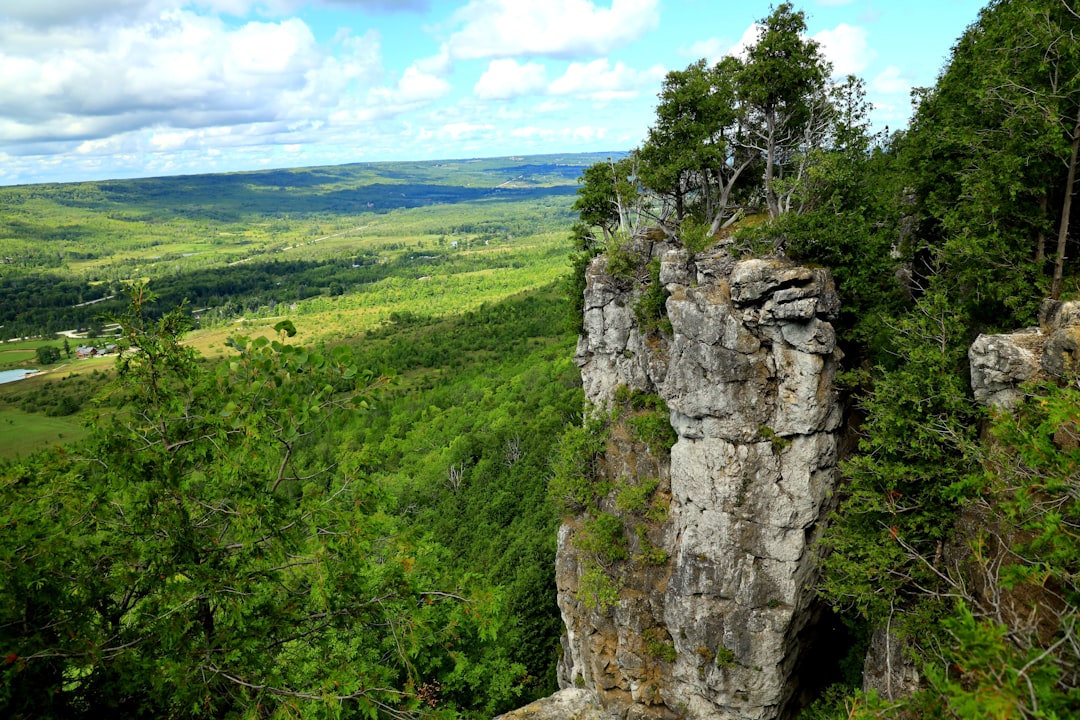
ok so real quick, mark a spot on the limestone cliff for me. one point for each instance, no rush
(713, 625)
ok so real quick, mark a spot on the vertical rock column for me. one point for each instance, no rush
(747, 372)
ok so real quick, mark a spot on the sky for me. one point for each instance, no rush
(99, 89)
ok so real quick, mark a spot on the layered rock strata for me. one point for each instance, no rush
(746, 369)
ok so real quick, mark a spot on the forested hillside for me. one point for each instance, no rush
(334, 505)
(960, 224)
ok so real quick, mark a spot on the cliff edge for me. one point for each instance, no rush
(715, 590)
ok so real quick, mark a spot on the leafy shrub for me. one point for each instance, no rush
(650, 310)
(621, 263)
(597, 589)
(575, 482)
(633, 498)
(658, 644)
(602, 537)
(725, 657)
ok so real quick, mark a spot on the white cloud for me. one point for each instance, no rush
(600, 81)
(748, 39)
(180, 69)
(551, 28)
(171, 83)
(417, 87)
(464, 130)
(712, 49)
(531, 132)
(552, 105)
(585, 133)
(846, 47)
(507, 78)
(890, 82)
(48, 13)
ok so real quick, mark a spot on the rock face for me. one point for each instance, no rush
(1000, 363)
(569, 704)
(747, 372)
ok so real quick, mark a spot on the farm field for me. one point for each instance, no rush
(363, 240)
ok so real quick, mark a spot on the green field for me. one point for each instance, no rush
(245, 243)
(341, 251)
(442, 278)
(22, 433)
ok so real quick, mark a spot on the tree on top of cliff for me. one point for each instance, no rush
(784, 85)
(726, 136)
(698, 147)
(992, 153)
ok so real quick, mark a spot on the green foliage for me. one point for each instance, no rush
(694, 235)
(778, 442)
(650, 310)
(648, 417)
(576, 481)
(658, 644)
(203, 562)
(622, 264)
(47, 354)
(605, 195)
(648, 553)
(903, 488)
(602, 538)
(634, 497)
(698, 147)
(597, 589)
(725, 657)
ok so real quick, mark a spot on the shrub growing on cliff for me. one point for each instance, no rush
(576, 481)
(650, 310)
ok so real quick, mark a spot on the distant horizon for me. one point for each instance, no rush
(177, 176)
(124, 89)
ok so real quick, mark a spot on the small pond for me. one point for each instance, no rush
(7, 376)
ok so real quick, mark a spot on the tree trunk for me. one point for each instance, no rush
(1066, 210)
(1040, 238)
(770, 164)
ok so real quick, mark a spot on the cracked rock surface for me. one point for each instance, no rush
(747, 373)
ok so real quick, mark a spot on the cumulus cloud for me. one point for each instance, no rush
(458, 131)
(600, 80)
(550, 28)
(846, 47)
(48, 13)
(507, 78)
(712, 49)
(181, 68)
(181, 80)
(890, 81)
(748, 39)
(415, 87)
(412, 6)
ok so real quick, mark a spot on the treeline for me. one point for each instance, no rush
(44, 303)
(962, 223)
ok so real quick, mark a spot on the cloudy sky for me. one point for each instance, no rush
(93, 89)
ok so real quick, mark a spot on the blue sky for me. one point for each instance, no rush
(97, 89)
